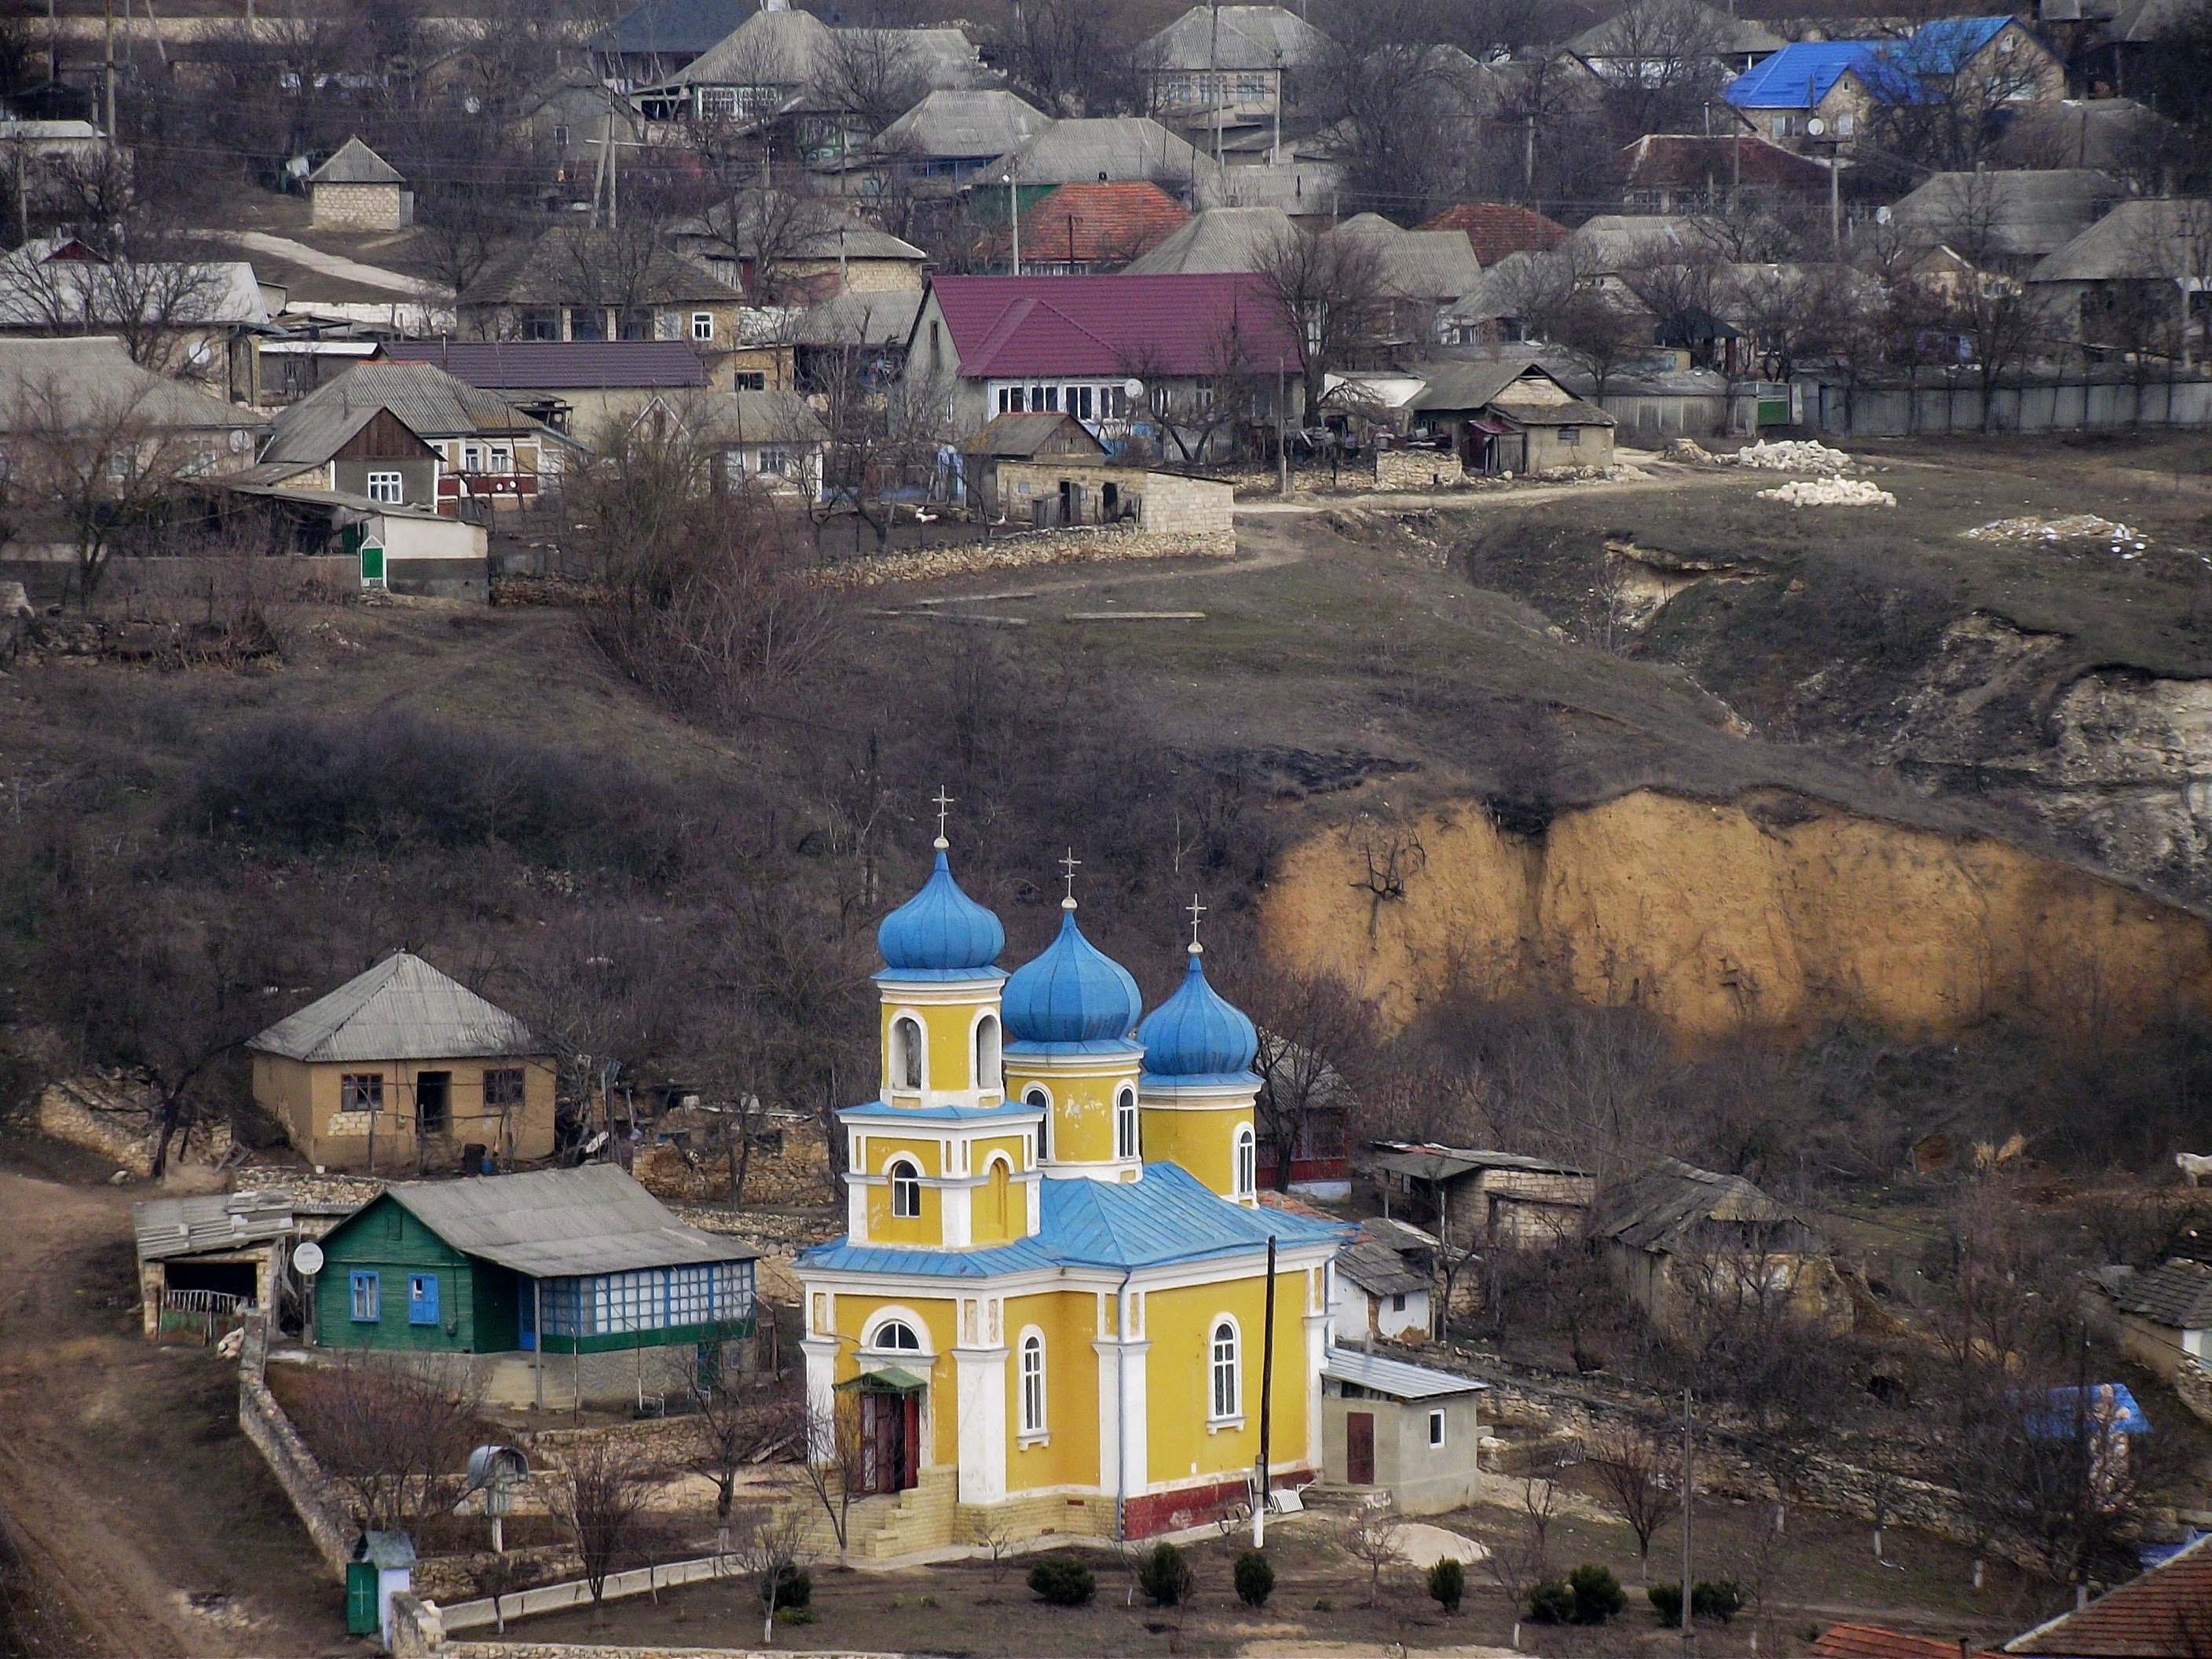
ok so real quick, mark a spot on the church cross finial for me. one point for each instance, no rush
(943, 807)
(1196, 910)
(1070, 865)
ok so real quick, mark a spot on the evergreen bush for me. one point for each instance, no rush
(1448, 1584)
(1256, 1579)
(1063, 1581)
(1165, 1576)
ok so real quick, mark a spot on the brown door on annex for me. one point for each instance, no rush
(1359, 1448)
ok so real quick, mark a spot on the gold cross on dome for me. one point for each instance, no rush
(943, 806)
(1071, 864)
(1196, 910)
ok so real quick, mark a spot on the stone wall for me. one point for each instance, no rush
(1186, 506)
(359, 207)
(1026, 550)
(114, 1118)
(1418, 469)
(297, 1472)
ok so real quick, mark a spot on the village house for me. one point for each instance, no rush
(1046, 438)
(949, 138)
(88, 386)
(358, 189)
(583, 1263)
(1667, 43)
(39, 158)
(2005, 221)
(576, 386)
(1382, 1283)
(2144, 261)
(2161, 1317)
(566, 120)
(1980, 65)
(771, 440)
(1495, 230)
(1219, 73)
(1669, 172)
(1677, 1238)
(1405, 1431)
(1510, 414)
(410, 435)
(1079, 229)
(404, 1065)
(203, 1259)
(1102, 150)
(817, 254)
(1110, 350)
(652, 42)
(397, 549)
(1473, 1195)
(2159, 1615)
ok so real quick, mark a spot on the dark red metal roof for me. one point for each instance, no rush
(2166, 1614)
(1004, 327)
(556, 365)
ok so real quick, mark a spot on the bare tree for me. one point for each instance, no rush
(1517, 1563)
(1632, 1476)
(393, 1434)
(1371, 1537)
(1308, 1026)
(770, 1552)
(1064, 54)
(838, 1463)
(599, 1504)
(1662, 61)
(732, 1430)
(160, 293)
(1603, 332)
(1330, 293)
(869, 77)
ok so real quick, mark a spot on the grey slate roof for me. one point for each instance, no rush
(1664, 1208)
(1611, 240)
(2024, 213)
(96, 381)
(1378, 1270)
(562, 1224)
(1639, 31)
(674, 27)
(1218, 239)
(856, 319)
(401, 1009)
(49, 295)
(793, 49)
(1435, 1162)
(762, 417)
(574, 265)
(426, 401)
(976, 126)
(1470, 384)
(1024, 435)
(210, 1222)
(2177, 1293)
(355, 163)
(1417, 264)
(2136, 242)
(1112, 147)
(1395, 1378)
(1249, 37)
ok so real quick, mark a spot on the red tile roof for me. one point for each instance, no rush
(2166, 1614)
(1103, 224)
(1873, 1642)
(1498, 229)
(1691, 161)
(1005, 326)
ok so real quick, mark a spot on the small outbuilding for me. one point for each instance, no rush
(1414, 1432)
(382, 1566)
(408, 1065)
(1045, 437)
(202, 1260)
(358, 190)
(1510, 414)
(2161, 1316)
(1475, 1193)
(1382, 1283)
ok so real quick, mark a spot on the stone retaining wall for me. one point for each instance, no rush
(1025, 551)
(266, 1425)
(1417, 468)
(110, 1119)
(419, 1632)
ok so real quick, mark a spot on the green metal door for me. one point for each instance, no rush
(361, 1599)
(372, 564)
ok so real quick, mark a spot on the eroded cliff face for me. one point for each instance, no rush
(1766, 913)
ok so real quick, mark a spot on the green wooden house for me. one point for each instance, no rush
(571, 1261)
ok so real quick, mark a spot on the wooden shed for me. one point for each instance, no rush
(1016, 438)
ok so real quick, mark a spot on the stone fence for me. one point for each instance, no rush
(289, 1460)
(419, 1632)
(1024, 551)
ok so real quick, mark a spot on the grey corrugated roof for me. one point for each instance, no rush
(1417, 264)
(1248, 37)
(973, 124)
(2177, 1293)
(1219, 240)
(562, 1224)
(794, 49)
(1112, 148)
(1023, 435)
(45, 294)
(209, 1221)
(1378, 1270)
(1470, 385)
(674, 27)
(1609, 241)
(97, 382)
(2026, 213)
(1664, 1207)
(2137, 241)
(1395, 1378)
(761, 417)
(355, 163)
(401, 1009)
(857, 319)
(425, 399)
(575, 265)
(1658, 28)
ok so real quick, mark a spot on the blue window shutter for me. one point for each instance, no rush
(421, 1298)
(366, 1301)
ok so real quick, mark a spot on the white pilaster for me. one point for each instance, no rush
(958, 1213)
(1316, 1356)
(1122, 1440)
(979, 1377)
(856, 1211)
(821, 1353)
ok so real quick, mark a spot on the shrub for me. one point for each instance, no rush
(1448, 1584)
(1717, 1598)
(793, 1588)
(1256, 1579)
(1667, 1602)
(1165, 1576)
(1598, 1593)
(1063, 1581)
(1551, 1602)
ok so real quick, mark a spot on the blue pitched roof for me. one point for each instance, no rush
(1799, 76)
(1168, 1217)
(2052, 1416)
(1939, 47)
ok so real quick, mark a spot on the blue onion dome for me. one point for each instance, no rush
(940, 930)
(1194, 1036)
(1071, 992)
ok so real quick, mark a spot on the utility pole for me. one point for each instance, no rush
(1282, 431)
(1014, 216)
(1267, 1406)
(107, 110)
(606, 148)
(1688, 1486)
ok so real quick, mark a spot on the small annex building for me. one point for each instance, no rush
(580, 1263)
(1510, 415)
(358, 190)
(1382, 1285)
(2161, 1316)
(202, 1260)
(1414, 1432)
(407, 1066)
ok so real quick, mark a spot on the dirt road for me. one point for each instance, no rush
(144, 1522)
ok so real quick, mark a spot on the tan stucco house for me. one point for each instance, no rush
(403, 1068)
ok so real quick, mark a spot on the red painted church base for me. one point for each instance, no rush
(1194, 1506)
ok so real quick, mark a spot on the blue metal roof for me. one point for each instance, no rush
(878, 1108)
(1194, 1037)
(2052, 1416)
(1799, 76)
(1168, 1217)
(1071, 992)
(940, 931)
(1940, 48)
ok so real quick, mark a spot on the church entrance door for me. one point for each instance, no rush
(890, 1440)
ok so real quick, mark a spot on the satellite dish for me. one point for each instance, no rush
(1135, 388)
(307, 1258)
(1816, 126)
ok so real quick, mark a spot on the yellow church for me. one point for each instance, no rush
(1050, 1311)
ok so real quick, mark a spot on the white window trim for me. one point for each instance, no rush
(1244, 1162)
(1044, 1124)
(895, 1315)
(396, 481)
(1215, 1421)
(1036, 1431)
(891, 1179)
(975, 1079)
(921, 1050)
(1435, 1429)
(702, 327)
(1125, 1110)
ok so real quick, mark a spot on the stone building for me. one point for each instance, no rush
(358, 190)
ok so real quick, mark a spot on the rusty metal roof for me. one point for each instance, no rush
(210, 1222)
(401, 1009)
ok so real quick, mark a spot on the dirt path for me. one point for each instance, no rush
(147, 1525)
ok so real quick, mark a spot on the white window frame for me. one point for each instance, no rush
(1038, 1096)
(904, 1176)
(1225, 1373)
(1127, 1146)
(1244, 1162)
(910, 1057)
(379, 482)
(898, 1319)
(473, 458)
(702, 327)
(1033, 1397)
(1435, 1429)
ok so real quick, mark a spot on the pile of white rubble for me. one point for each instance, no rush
(1829, 492)
(2123, 539)
(1792, 455)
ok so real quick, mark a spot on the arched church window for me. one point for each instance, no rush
(1125, 1124)
(906, 1052)
(1227, 1385)
(1247, 1161)
(906, 1191)
(897, 1334)
(1037, 1097)
(988, 1077)
(1032, 1383)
